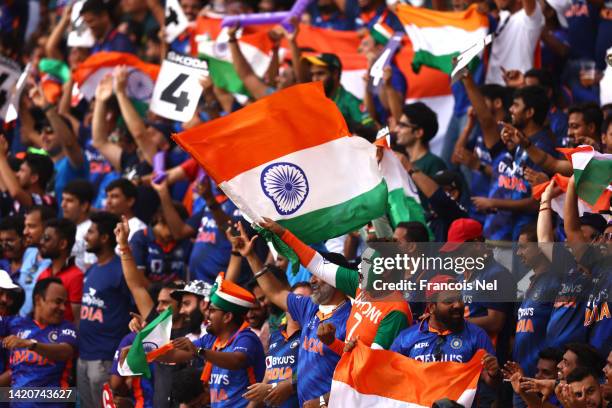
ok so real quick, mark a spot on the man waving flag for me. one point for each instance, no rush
(290, 157)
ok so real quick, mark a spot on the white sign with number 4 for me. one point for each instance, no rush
(178, 89)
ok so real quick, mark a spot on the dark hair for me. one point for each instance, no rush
(13, 223)
(591, 114)
(587, 356)
(40, 289)
(531, 231)
(82, 189)
(65, 229)
(534, 97)
(106, 223)
(18, 297)
(423, 117)
(186, 385)
(579, 374)
(46, 212)
(551, 353)
(606, 124)
(128, 189)
(415, 231)
(96, 7)
(545, 78)
(40, 165)
(494, 91)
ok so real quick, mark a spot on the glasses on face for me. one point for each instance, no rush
(406, 125)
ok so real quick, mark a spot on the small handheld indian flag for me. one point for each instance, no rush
(292, 160)
(150, 343)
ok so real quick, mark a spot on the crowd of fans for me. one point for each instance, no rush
(92, 249)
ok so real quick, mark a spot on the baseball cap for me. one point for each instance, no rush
(195, 287)
(6, 282)
(461, 230)
(325, 60)
(431, 290)
(594, 220)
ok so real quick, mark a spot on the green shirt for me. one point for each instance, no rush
(350, 107)
(430, 164)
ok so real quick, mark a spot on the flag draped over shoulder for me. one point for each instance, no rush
(439, 36)
(141, 78)
(291, 158)
(150, 343)
(367, 378)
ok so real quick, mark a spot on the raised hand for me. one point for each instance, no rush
(104, 90)
(122, 232)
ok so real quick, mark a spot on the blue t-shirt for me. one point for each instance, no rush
(105, 311)
(313, 353)
(142, 387)
(31, 268)
(30, 369)
(160, 264)
(227, 386)
(604, 35)
(508, 182)
(597, 316)
(114, 41)
(65, 173)
(182, 43)
(422, 344)
(211, 249)
(282, 360)
(558, 125)
(566, 323)
(582, 29)
(400, 84)
(381, 15)
(533, 316)
(336, 21)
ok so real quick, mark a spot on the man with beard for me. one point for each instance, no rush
(510, 205)
(377, 316)
(327, 304)
(56, 245)
(11, 245)
(105, 310)
(233, 353)
(194, 301)
(42, 345)
(445, 335)
(328, 69)
(33, 263)
(153, 392)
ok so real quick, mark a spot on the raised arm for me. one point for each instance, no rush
(63, 106)
(423, 182)
(67, 138)
(485, 118)
(271, 287)
(10, 179)
(52, 46)
(134, 122)
(134, 277)
(255, 85)
(99, 126)
(395, 100)
(545, 229)
(158, 11)
(178, 228)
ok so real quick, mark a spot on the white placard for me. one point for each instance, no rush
(605, 86)
(468, 55)
(175, 20)
(9, 74)
(178, 89)
(13, 109)
(80, 35)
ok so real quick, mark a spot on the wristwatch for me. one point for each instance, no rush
(33, 344)
(201, 352)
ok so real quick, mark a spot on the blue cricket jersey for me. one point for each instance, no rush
(422, 343)
(312, 383)
(227, 386)
(282, 360)
(597, 317)
(30, 369)
(533, 316)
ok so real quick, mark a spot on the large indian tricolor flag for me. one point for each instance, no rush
(558, 203)
(291, 158)
(367, 378)
(439, 36)
(150, 343)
